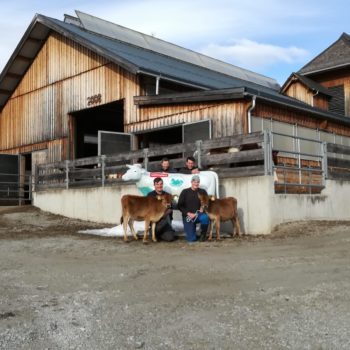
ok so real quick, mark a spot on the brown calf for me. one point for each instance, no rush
(149, 209)
(220, 210)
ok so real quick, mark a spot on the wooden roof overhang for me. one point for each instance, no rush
(240, 94)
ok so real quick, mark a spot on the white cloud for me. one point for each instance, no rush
(253, 55)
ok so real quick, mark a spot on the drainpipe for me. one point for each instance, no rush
(157, 84)
(313, 97)
(249, 114)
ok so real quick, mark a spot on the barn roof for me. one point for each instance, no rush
(309, 83)
(335, 56)
(138, 53)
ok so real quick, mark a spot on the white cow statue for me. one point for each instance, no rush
(174, 183)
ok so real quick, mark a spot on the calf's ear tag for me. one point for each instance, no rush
(159, 198)
(212, 198)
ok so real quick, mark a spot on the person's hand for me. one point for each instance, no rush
(195, 171)
(191, 215)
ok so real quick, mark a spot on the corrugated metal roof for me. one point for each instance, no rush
(134, 51)
(151, 43)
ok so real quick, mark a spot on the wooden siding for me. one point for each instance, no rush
(59, 82)
(228, 118)
(55, 149)
(320, 101)
(303, 119)
(300, 92)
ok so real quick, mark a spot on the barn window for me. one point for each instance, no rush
(180, 133)
(110, 142)
(196, 131)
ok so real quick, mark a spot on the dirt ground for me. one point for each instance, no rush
(64, 290)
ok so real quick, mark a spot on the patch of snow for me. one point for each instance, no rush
(117, 231)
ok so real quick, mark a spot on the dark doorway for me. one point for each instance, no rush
(9, 179)
(26, 178)
(88, 122)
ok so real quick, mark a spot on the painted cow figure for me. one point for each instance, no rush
(173, 183)
(220, 210)
(149, 209)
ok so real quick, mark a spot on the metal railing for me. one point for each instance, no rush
(302, 166)
(15, 188)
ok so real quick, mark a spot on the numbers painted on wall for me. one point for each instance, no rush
(92, 100)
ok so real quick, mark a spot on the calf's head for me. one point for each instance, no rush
(166, 200)
(205, 200)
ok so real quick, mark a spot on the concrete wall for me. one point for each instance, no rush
(98, 204)
(259, 208)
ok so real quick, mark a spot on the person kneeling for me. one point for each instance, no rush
(192, 214)
(163, 230)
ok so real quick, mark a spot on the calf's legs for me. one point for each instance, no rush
(236, 226)
(145, 235)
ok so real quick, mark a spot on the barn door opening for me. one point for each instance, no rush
(86, 123)
(9, 179)
(26, 178)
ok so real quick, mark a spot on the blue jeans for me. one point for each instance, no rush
(190, 227)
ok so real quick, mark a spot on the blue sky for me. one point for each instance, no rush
(270, 37)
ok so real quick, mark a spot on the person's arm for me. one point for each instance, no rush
(181, 204)
(185, 171)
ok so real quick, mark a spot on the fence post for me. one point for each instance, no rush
(324, 162)
(199, 153)
(145, 158)
(30, 188)
(36, 177)
(67, 174)
(103, 161)
(267, 152)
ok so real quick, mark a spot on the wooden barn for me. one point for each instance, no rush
(83, 87)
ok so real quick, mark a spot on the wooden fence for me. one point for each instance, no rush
(294, 171)
(248, 160)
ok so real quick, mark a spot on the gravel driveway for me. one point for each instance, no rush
(63, 290)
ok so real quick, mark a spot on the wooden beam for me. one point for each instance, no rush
(35, 40)
(238, 157)
(13, 75)
(196, 96)
(24, 58)
(253, 170)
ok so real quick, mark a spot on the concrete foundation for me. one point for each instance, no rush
(259, 208)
